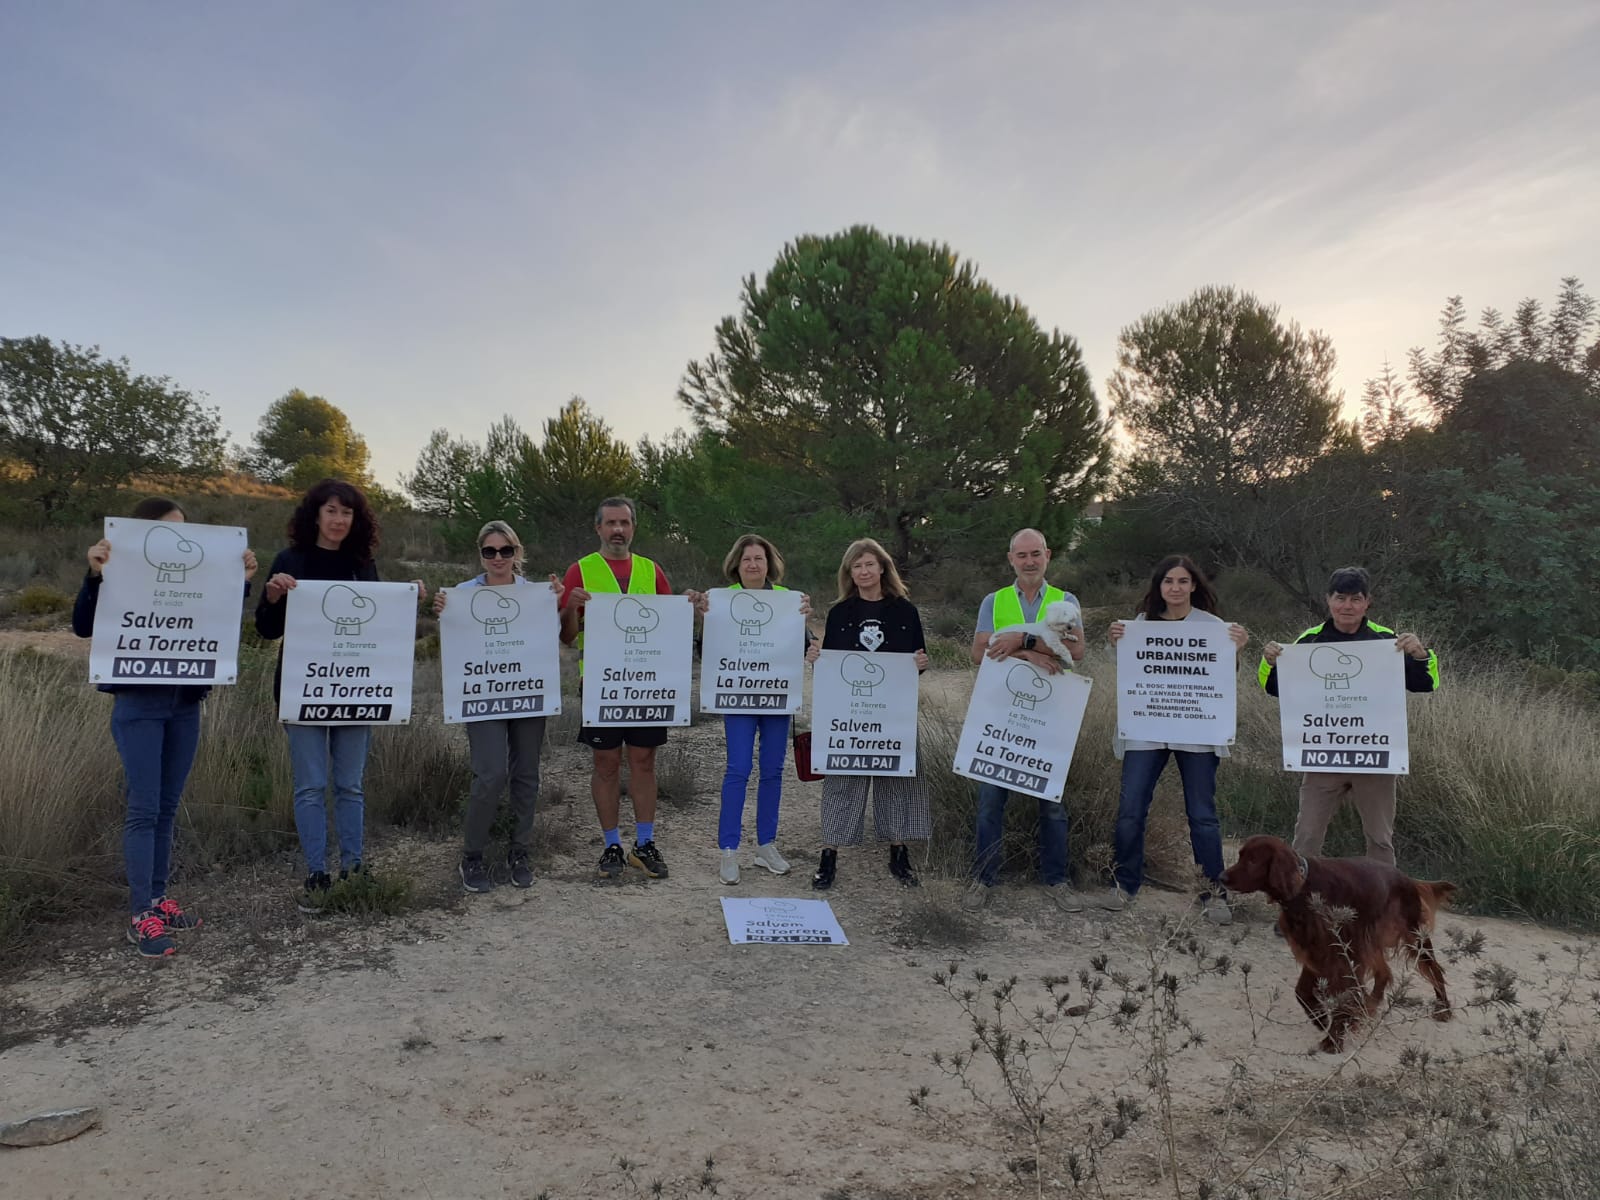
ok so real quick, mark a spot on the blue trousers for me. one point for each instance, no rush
(1140, 770)
(156, 730)
(991, 827)
(741, 731)
(318, 755)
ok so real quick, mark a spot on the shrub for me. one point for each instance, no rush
(38, 599)
(16, 569)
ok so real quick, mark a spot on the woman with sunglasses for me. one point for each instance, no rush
(504, 750)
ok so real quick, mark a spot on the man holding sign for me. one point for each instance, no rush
(1019, 604)
(614, 568)
(1372, 792)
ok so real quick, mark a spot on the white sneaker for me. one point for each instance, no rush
(976, 896)
(730, 867)
(768, 857)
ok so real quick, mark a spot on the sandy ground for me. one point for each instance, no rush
(520, 1042)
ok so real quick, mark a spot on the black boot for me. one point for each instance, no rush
(900, 866)
(822, 879)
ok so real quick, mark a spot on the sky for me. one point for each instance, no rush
(437, 213)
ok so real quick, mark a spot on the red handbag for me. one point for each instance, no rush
(802, 757)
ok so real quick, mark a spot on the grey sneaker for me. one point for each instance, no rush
(1065, 897)
(1116, 900)
(976, 897)
(521, 871)
(475, 874)
(767, 856)
(1215, 909)
(729, 872)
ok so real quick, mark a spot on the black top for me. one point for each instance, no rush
(83, 610)
(315, 563)
(1422, 675)
(892, 625)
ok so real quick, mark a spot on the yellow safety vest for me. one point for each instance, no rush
(598, 577)
(1008, 605)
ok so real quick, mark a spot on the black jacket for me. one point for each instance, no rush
(1420, 676)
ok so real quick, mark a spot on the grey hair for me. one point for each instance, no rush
(615, 502)
(1012, 545)
(518, 560)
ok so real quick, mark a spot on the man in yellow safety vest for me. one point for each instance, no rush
(615, 568)
(1023, 601)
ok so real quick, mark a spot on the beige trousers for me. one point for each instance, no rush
(1322, 793)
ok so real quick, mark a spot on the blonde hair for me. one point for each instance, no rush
(730, 564)
(893, 586)
(518, 560)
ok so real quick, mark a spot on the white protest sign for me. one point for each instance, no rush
(638, 660)
(1177, 682)
(1343, 708)
(864, 714)
(1022, 727)
(347, 651)
(169, 604)
(753, 658)
(500, 653)
(795, 922)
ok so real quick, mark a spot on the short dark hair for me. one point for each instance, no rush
(362, 541)
(1350, 581)
(616, 502)
(157, 507)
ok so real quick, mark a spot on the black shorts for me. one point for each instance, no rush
(610, 737)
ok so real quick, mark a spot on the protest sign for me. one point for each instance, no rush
(638, 660)
(1022, 727)
(500, 653)
(753, 659)
(1177, 682)
(170, 604)
(795, 922)
(347, 651)
(864, 714)
(1343, 707)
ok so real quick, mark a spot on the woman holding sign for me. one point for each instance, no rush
(753, 564)
(156, 728)
(1178, 591)
(332, 535)
(503, 751)
(873, 614)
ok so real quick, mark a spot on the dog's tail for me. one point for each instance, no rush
(1434, 896)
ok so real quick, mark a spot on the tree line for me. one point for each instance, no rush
(876, 384)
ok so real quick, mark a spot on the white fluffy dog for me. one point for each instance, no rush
(1062, 623)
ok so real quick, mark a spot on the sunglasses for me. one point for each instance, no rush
(502, 551)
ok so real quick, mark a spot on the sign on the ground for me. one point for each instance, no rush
(500, 652)
(1022, 727)
(1177, 682)
(347, 651)
(782, 921)
(864, 714)
(638, 660)
(1343, 708)
(753, 659)
(170, 603)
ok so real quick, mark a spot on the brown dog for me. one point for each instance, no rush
(1391, 911)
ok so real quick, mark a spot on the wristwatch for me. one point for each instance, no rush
(1029, 641)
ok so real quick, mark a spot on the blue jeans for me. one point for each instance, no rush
(991, 827)
(741, 731)
(156, 730)
(312, 749)
(1140, 770)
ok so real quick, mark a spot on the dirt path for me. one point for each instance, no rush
(501, 1045)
